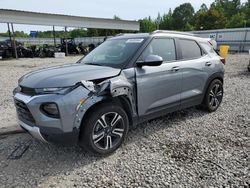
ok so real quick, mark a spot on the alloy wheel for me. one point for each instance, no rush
(108, 131)
(215, 96)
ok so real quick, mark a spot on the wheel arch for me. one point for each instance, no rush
(122, 100)
(219, 76)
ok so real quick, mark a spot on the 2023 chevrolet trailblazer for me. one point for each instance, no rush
(128, 79)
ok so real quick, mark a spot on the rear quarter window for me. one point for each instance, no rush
(190, 49)
(208, 48)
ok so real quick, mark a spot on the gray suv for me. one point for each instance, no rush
(128, 79)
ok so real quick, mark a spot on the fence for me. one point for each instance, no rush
(238, 39)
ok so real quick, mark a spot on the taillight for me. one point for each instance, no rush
(223, 60)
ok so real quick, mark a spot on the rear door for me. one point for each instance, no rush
(159, 87)
(192, 63)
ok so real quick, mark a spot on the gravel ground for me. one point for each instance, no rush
(189, 148)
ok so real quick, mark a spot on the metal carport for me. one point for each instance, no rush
(46, 19)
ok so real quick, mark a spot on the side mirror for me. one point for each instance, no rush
(151, 60)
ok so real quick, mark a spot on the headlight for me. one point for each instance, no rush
(55, 90)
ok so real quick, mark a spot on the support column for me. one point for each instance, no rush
(14, 40)
(54, 36)
(66, 42)
(9, 32)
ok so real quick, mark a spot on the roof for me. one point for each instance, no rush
(37, 18)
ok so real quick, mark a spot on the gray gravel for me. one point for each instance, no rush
(189, 148)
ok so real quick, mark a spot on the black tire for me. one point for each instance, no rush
(99, 140)
(213, 96)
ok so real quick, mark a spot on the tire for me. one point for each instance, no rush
(102, 138)
(213, 96)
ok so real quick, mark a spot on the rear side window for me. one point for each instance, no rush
(190, 49)
(208, 47)
(164, 47)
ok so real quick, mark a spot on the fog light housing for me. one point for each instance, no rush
(50, 109)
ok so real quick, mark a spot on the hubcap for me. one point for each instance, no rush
(108, 131)
(215, 96)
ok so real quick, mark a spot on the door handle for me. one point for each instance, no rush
(175, 69)
(208, 64)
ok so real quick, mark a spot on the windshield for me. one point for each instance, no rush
(113, 53)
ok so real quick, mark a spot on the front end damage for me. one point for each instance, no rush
(71, 107)
(122, 85)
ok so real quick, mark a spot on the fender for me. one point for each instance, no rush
(217, 75)
(115, 87)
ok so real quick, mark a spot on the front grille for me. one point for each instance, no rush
(28, 91)
(23, 112)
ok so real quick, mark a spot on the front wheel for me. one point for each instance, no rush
(213, 96)
(104, 129)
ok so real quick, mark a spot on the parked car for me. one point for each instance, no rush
(126, 80)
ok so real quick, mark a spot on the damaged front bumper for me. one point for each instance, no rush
(71, 106)
(34, 131)
(49, 129)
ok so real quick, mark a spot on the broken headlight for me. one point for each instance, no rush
(55, 90)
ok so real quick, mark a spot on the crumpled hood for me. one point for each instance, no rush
(66, 75)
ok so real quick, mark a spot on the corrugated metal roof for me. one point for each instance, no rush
(47, 19)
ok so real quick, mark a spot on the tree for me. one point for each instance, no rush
(78, 33)
(237, 20)
(147, 25)
(166, 21)
(203, 8)
(212, 19)
(182, 15)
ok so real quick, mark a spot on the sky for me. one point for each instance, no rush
(125, 9)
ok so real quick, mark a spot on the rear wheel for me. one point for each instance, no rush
(214, 95)
(104, 129)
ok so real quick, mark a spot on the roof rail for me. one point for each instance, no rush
(174, 32)
(124, 34)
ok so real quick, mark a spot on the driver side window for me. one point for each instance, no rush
(164, 47)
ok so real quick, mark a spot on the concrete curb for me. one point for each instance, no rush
(14, 129)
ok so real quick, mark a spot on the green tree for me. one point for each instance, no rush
(238, 20)
(212, 19)
(147, 25)
(78, 33)
(246, 10)
(21, 34)
(182, 15)
(166, 21)
(203, 8)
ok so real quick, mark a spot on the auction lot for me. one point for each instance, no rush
(189, 148)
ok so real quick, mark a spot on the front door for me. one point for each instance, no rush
(159, 87)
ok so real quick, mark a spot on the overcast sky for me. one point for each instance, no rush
(125, 9)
